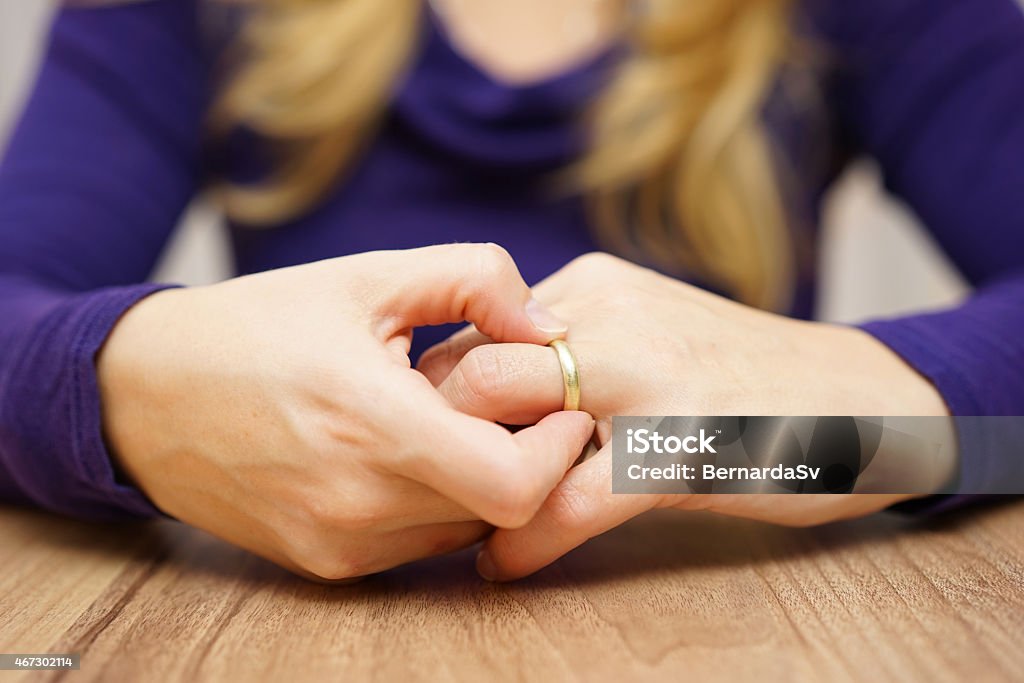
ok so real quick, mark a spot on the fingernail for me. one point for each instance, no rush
(545, 320)
(485, 566)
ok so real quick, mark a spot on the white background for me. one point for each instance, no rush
(876, 259)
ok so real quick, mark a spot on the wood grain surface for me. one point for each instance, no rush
(669, 596)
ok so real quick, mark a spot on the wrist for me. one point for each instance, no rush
(126, 375)
(870, 374)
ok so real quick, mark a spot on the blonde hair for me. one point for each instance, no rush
(680, 171)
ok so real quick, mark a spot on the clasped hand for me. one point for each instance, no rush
(279, 411)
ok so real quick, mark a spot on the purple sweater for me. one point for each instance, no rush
(109, 152)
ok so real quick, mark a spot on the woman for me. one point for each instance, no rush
(279, 411)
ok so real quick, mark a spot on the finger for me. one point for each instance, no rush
(479, 283)
(581, 507)
(508, 383)
(500, 477)
(437, 362)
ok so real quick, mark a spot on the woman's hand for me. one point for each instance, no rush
(650, 345)
(279, 411)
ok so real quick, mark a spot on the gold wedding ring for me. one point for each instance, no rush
(570, 375)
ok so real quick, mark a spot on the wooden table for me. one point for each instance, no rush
(668, 596)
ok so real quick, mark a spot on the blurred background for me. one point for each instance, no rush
(877, 260)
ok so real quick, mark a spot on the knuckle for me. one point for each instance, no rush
(493, 260)
(482, 374)
(333, 567)
(317, 516)
(569, 507)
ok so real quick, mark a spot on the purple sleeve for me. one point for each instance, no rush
(934, 90)
(102, 164)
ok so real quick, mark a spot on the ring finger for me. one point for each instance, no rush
(508, 383)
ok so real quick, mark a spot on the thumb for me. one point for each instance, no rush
(478, 283)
